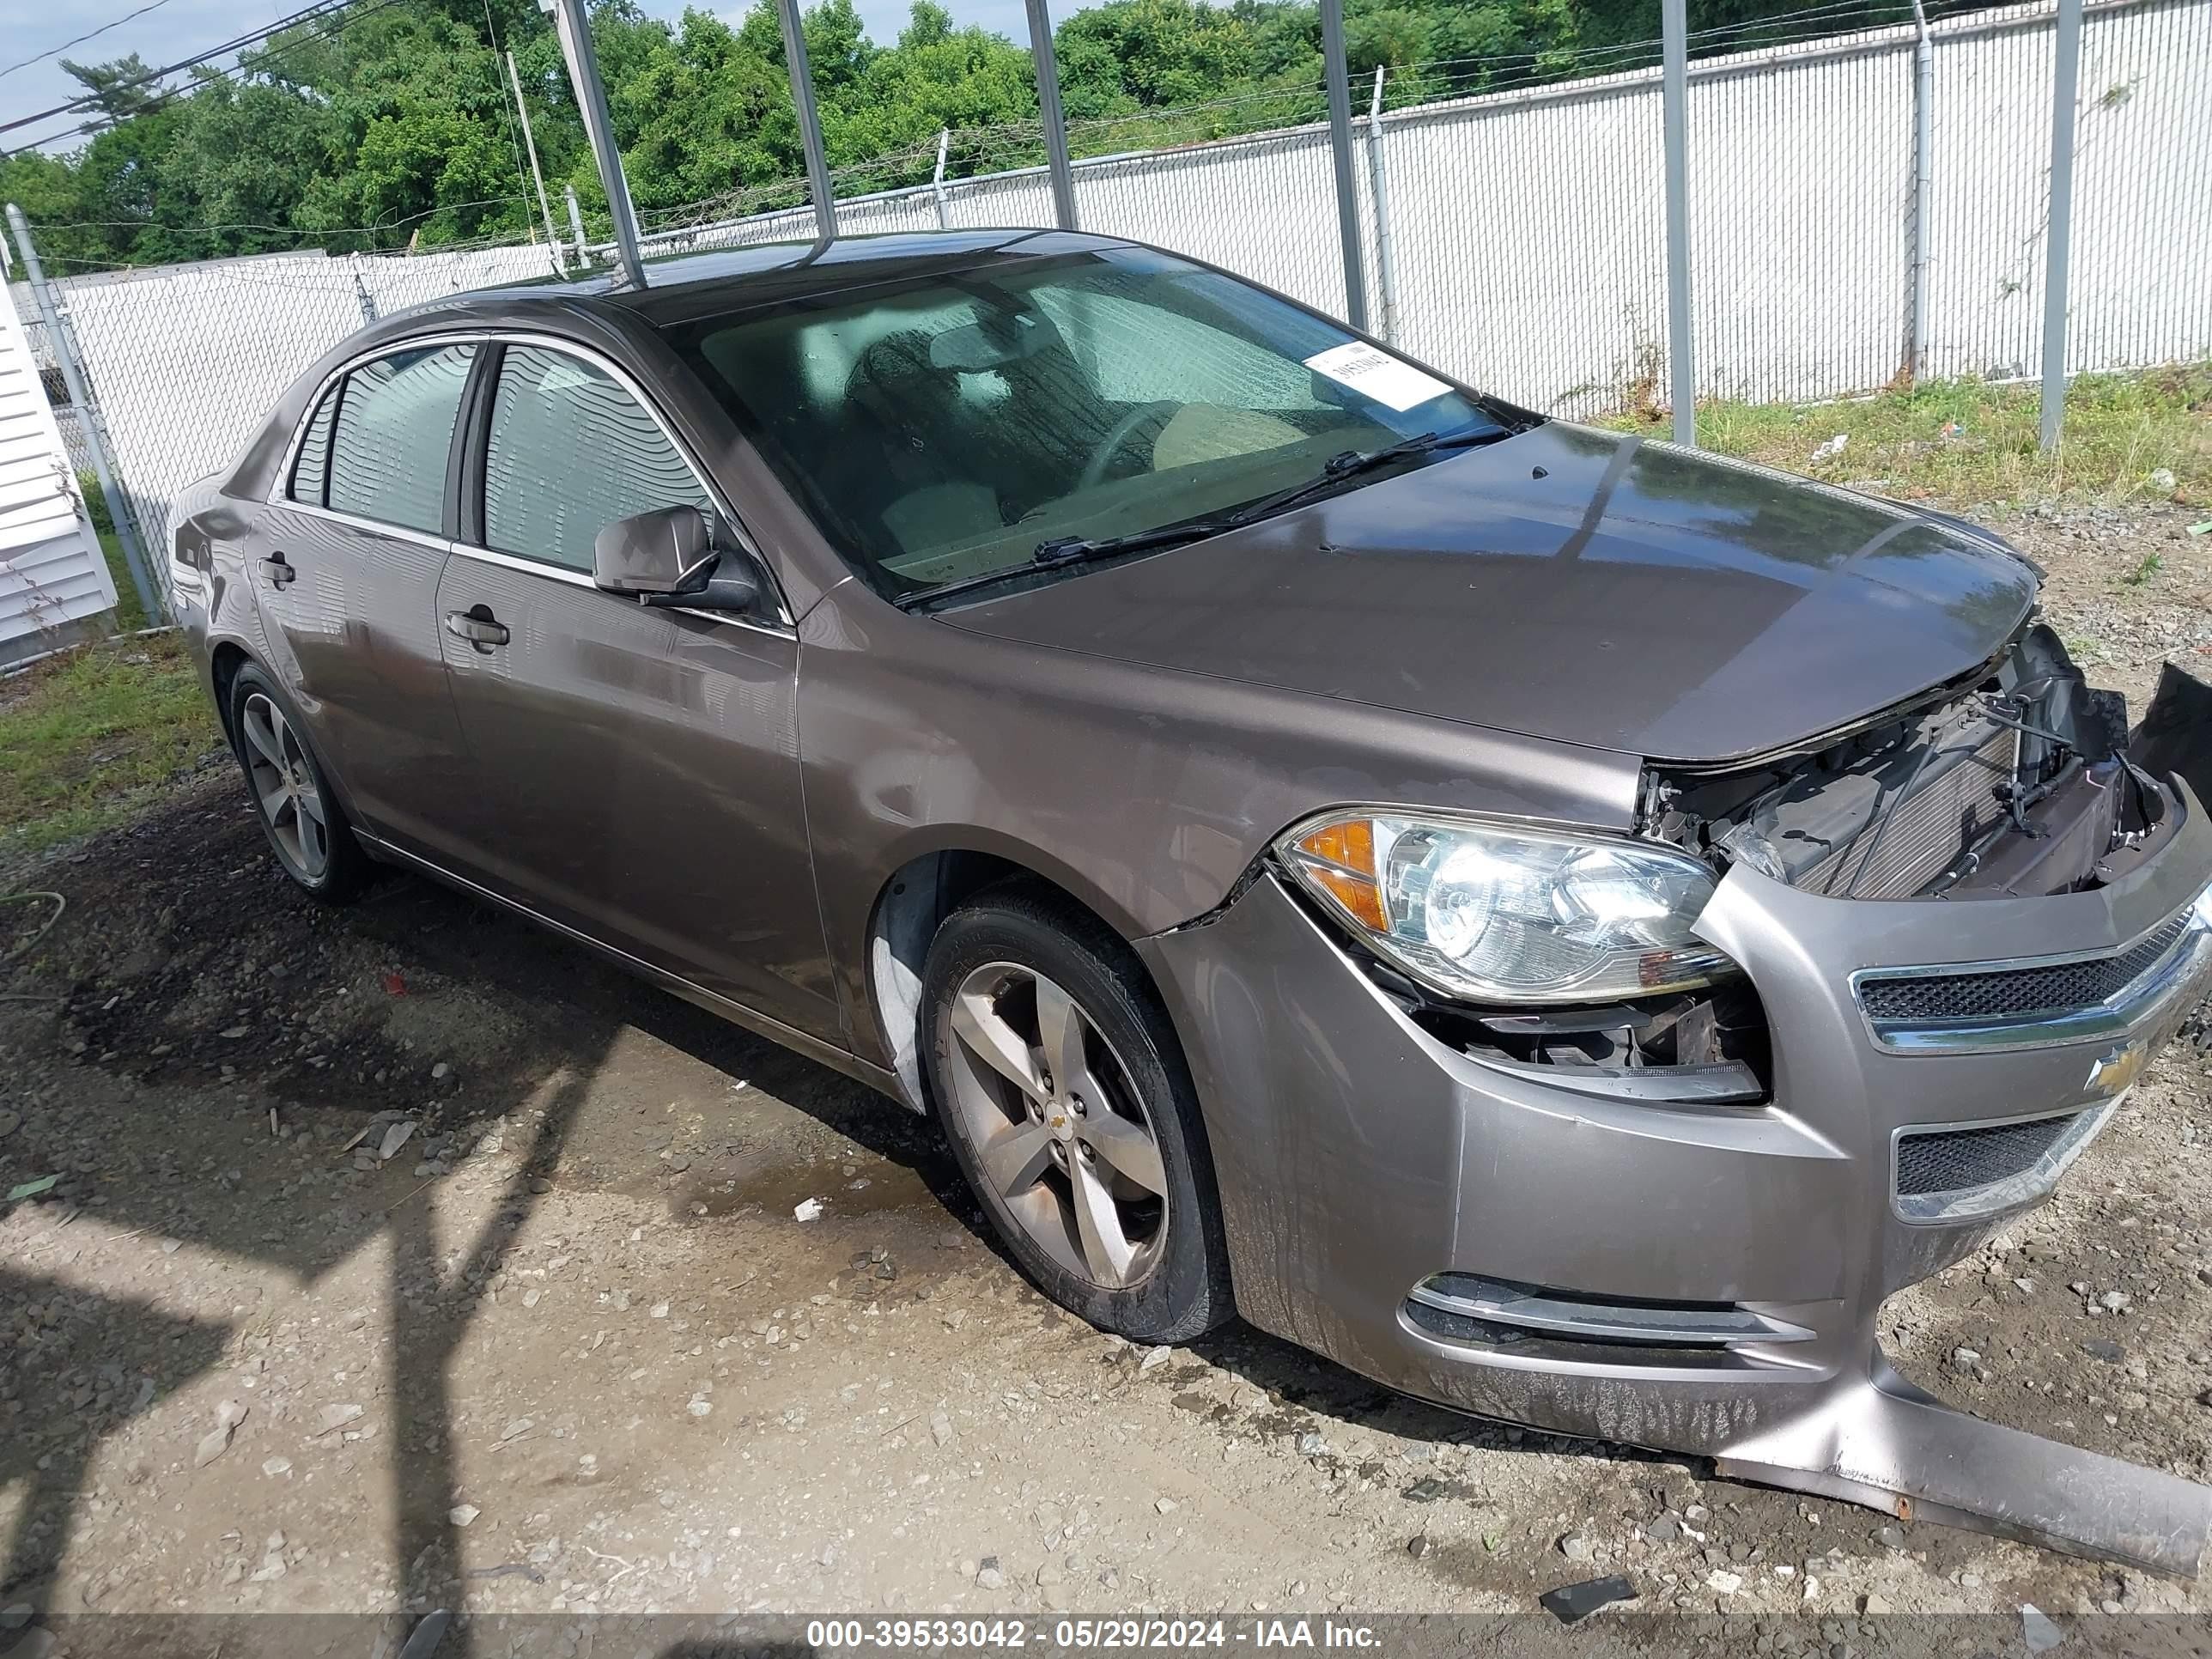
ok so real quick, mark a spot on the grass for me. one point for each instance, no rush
(85, 736)
(1970, 443)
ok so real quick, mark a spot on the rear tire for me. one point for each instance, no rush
(292, 797)
(1063, 1091)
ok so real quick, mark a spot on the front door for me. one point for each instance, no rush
(346, 569)
(636, 769)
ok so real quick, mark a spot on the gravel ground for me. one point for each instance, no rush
(404, 1257)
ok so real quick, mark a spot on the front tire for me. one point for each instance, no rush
(1064, 1094)
(300, 814)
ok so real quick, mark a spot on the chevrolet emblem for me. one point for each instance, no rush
(2114, 1072)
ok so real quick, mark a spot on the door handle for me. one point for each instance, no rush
(279, 573)
(476, 626)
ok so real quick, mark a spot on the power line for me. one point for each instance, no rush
(90, 34)
(170, 96)
(322, 7)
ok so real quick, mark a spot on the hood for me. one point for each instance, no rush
(1568, 584)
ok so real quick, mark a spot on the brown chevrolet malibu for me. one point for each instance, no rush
(1561, 924)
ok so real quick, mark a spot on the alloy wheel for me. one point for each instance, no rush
(1057, 1124)
(284, 781)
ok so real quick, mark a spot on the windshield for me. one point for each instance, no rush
(943, 429)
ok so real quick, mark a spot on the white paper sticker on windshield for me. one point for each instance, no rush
(1374, 372)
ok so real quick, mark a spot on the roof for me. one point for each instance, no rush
(681, 286)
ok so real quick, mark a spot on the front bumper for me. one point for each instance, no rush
(1358, 1159)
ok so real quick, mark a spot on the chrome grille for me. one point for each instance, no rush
(2003, 993)
(1959, 1160)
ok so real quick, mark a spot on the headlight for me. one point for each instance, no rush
(1501, 915)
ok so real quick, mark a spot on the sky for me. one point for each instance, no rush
(179, 28)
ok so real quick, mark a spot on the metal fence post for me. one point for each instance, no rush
(1055, 124)
(1386, 275)
(937, 179)
(810, 118)
(1681, 370)
(1923, 181)
(2065, 78)
(151, 597)
(576, 225)
(361, 292)
(575, 31)
(1339, 139)
(530, 142)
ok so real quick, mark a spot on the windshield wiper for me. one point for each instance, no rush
(1074, 550)
(1065, 550)
(1353, 463)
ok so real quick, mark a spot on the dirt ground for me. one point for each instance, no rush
(562, 1345)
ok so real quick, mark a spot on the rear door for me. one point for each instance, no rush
(345, 572)
(636, 769)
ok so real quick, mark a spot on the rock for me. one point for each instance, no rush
(1418, 1546)
(989, 1575)
(808, 1209)
(2039, 1633)
(1575, 1547)
(440, 1072)
(1310, 1444)
(1152, 1359)
(2115, 1301)
(2162, 480)
(1965, 1359)
(213, 1444)
(1890, 1537)
(230, 1414)
(394, 1138)
(1426, 1489)
(2098, 1348)
(700, 1408)
(1572, 1603)
(461, 1514)
(276, 1466)
(9, 1123)
(520, 1426)
(1723, 1582)
(336, 1417)
(1165, 1506)
(1873, 1605)
(940, 1429)
(1665, 1530)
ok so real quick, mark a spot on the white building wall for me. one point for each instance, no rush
(52, 575)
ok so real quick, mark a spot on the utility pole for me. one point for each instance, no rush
(576, 30)
(529, 143)
(1674, 98)
(2065, 82)
(810, 119)
(1055, 124)
(1339, 142)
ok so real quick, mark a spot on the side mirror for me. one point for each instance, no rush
(667, 557)
(656, 552)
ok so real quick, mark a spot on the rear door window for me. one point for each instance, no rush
(394, 431)
(310, 468)
(570, 451)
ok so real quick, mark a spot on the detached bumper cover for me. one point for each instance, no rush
(1715, 1271)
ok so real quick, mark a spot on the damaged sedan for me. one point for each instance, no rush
(1561, 925)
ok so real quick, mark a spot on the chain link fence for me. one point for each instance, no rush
(1514, 236)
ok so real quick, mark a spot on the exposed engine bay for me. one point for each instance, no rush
(2017, 780)
(2020, 780)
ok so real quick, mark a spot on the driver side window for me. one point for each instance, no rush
(570, 451)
